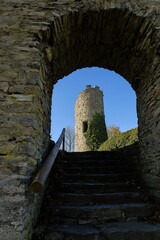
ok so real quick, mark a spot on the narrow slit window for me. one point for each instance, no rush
(85, 126)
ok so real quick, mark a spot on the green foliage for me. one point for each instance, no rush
(122, 140)
(113, 131)
(96, 132)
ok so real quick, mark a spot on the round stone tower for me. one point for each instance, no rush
(89, 102)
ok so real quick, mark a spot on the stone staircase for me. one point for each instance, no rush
(94, 196)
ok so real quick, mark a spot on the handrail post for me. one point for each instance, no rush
(63, 147)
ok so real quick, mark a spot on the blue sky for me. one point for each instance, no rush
(119, 99)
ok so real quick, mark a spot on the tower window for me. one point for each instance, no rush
(85, 126)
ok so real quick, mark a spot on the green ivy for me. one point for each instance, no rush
(96, 132)
(122, 140)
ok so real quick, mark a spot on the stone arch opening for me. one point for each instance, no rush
(119, 99)
(93, 38)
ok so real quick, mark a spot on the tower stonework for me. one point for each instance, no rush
(89, 102)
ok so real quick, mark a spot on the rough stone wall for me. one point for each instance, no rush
(42, 41)
(24, 116)
(89, 102)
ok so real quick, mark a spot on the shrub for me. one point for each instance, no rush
(122, 140)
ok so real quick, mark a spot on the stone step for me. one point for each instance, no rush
(111, 231)
(68, 187)
(96, 169)
(97, 198)
(93, 154)
(80, 177)
(130, 231)
(97, 214)
(71, 232)
(91, 162)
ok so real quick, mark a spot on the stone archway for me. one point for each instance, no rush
(93, 38)
(42, 44)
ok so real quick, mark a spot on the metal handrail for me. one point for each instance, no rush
(42, 175)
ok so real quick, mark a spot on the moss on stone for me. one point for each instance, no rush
(96, 132)
(32, 162)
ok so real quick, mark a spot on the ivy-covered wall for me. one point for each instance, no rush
(96, 133)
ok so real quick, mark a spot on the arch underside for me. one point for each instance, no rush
(114, 39)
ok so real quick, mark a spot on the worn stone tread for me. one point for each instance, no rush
(71, 232)
(98, 169)
(101, 177)
(96, 187)
(101, 213)
(92, 154)
(108, 206)
(88, 184)
(113, 231)
(77, 229)
(93, 162)
(131, 231)
(129, 226)
(81, 198)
